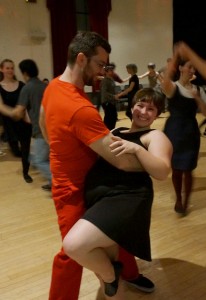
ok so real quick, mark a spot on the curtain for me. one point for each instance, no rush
(189, 25)
(98, 16)
(63, 29)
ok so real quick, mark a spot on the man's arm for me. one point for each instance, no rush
(127, 162)
(156, 160)
(16, 113)
(143, 75)
(42, 124)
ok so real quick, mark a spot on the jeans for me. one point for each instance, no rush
(40, 157)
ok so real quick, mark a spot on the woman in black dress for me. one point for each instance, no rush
(119, 202)
(18, 133)
(132, 88)
(184, 99)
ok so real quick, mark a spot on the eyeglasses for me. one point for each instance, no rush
(99, 63)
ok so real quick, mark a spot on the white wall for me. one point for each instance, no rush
(140, 31)
(17, 20)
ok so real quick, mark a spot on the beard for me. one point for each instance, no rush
(88, 76)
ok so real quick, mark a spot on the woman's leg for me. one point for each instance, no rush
(188, 183)
(177, 183)
(91, 248)
(120, 293)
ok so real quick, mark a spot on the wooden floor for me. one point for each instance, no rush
(29, 238)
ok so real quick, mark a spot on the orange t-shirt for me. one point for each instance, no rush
(72, 123)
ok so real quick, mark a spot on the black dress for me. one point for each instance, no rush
(119, 203)
(17, 131)
(182, 129)
(134, 78)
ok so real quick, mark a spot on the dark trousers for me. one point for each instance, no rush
(110, 115)
(129, 107)
(24, 133)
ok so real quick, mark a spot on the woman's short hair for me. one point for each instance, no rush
(132, 67)
(150, 95)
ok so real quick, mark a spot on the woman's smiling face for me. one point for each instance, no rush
(144, 113)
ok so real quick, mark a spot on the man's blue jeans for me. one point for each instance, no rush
(40, 157)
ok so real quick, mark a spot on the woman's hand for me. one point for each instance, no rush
(117, 96)
(120, 146)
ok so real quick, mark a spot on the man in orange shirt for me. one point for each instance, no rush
(76, 135)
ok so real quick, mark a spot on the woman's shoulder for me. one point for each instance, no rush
(156, 136)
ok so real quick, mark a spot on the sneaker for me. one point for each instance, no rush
(46, 187)
(142, 283)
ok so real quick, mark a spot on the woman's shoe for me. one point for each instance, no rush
(179, 207)
(111, 288)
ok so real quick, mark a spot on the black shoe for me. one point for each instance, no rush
(143, 284)
(46, 187)
(179, 207)
(111, 288)
(28, 178)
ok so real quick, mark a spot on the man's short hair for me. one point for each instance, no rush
(29, 67)
(87, 43)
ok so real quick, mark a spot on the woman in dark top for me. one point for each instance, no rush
(181, 127)
(132, 89)
(118, 202)
(17, 132)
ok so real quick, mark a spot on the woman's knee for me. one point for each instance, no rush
(72, 246)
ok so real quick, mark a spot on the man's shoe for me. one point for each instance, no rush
(142, 283)
(46, 187)
(28, 178)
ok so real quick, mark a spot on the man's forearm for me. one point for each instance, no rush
(15, 113)
(6, 110)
